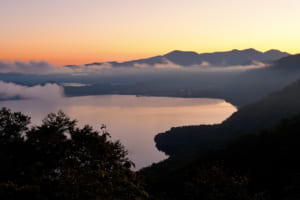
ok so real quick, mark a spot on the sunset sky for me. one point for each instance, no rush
(83, 31)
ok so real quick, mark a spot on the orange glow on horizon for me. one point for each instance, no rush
(79, 58)
(79, 32)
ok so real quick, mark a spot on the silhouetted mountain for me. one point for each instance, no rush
(260, 165)
(189, 58)
(259, 115)
(274, 54)
(289, 62)
(184, 58)
(243, 57)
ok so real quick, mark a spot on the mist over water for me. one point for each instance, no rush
(132, 120)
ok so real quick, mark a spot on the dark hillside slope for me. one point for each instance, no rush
(262, 114)
(264, 165)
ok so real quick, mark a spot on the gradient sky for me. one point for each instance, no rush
(83, 31)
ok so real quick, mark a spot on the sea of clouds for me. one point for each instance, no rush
(9, 90)
(47, 92)
(44, 68)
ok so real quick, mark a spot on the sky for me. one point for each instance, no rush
(83, 31)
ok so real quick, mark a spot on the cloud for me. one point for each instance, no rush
(75, 84)
(166, 64)
(205, 64)
(90, 69)
(146, 70)
(44, 68)
(47, 92)
(33, 67)
(254, 65)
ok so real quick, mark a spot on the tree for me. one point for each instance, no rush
(13, 128)
(12, 125)
(59, 160)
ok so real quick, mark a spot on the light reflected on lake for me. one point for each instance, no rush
(132, 120)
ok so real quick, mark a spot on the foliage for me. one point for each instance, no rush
(264, 165)
(57, 160)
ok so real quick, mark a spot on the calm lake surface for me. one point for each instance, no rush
(132, 120)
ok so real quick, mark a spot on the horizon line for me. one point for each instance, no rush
(140, 58)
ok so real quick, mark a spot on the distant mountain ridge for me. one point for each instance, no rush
(190, 58)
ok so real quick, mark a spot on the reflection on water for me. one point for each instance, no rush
(133, 120)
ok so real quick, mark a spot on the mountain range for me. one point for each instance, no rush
(190, 58)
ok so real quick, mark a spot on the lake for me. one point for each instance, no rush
(132, 120)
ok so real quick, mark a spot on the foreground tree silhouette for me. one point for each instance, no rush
(58, 160)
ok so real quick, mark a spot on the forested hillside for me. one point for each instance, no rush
(262, 165)
(262, 114)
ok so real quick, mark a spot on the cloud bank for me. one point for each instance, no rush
(33, 67)
(47, 92)
(44, 68)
